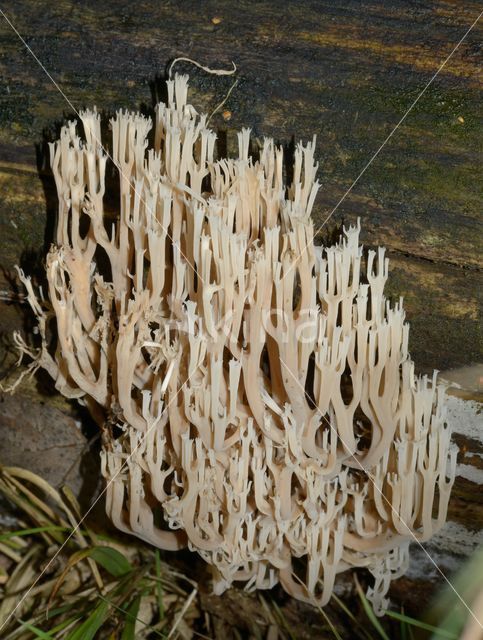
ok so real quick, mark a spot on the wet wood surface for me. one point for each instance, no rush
(347, 71)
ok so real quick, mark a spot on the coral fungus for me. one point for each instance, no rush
(257, 398)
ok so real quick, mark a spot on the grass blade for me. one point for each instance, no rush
(330, 623)
(131, 612)
(36, 631)
(28, 532)
(88, 629)
(111, 560)
(421, 625)
(370, 613)
(159, 586)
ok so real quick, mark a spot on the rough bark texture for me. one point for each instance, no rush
(344, 70)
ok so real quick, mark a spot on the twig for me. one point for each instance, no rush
(216, 72)
(183, 611)
(217, 108)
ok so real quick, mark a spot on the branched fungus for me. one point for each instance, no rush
(259, 402)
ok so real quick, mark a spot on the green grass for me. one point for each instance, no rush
(95, 587)
(99, 587)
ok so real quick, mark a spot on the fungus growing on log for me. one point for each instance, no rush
(258, 400)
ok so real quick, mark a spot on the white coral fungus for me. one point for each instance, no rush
(259, 402)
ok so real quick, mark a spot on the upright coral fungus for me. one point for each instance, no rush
(258, 401)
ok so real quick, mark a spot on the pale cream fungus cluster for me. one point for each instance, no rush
(258, 399)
